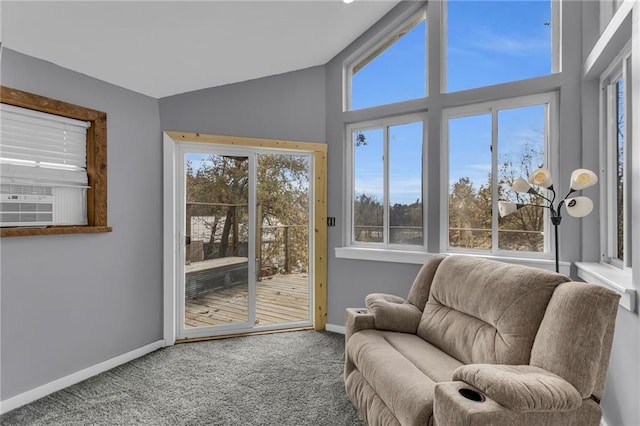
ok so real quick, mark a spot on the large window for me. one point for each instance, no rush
(616, 162)
(386, 184)
(393, 70)
(501, 41)
(489, 146)
(493, 129)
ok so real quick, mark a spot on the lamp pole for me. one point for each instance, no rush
(555, 220)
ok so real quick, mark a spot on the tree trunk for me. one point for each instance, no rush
(212, 239)
(224, 241)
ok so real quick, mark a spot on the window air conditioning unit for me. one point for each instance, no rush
(26, 205)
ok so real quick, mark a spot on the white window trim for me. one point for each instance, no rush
(606, 13)
(383, 36)
(551, 155)
(556, 37)
(603, 59)
(608, 163)
(608, 9)
(385, 123)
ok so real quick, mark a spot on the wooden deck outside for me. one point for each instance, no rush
(280, 299)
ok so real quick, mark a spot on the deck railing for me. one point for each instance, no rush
(280, 248)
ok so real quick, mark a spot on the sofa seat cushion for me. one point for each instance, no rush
(402, 369)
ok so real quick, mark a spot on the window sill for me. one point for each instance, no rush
(382, 255)
(614, 279)
(420, 257)
(57, 230)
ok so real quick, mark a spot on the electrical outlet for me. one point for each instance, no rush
(331, 221)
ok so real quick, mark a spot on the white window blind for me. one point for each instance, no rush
(43, 168)
(41, 147)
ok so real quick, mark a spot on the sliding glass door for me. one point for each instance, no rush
(282, 239)
(245, 216)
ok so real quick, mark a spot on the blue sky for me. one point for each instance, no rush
(488, 42)
(405, 167)
(470, 141)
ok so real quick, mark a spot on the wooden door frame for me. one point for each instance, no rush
(319, 154)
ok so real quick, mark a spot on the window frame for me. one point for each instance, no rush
(433, 105)
(96, 161)
(349, 156)
(608, 9)
(386, 36)
(551, 149)
(619, 68)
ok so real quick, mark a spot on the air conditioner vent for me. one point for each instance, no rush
(17, 189)
(26, 205)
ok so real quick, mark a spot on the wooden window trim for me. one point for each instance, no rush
(96, 161)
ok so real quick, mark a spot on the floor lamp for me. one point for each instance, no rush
(541, 178)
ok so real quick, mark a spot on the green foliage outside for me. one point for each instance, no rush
(218, 194)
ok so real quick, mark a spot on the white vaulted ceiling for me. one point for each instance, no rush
(162, 48)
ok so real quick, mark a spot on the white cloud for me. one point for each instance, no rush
(510, 44)
(486, 167)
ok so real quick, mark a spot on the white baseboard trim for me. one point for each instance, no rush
(63, 382)
(335, 328)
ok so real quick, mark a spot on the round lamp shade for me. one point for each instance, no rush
(579, 206)
(520, 185)
(505, 208)
(583, 178)
(541, 177)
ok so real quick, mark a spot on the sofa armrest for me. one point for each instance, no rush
(451, 408)
(375, 297)
(357, 319)
(459, 404)
(520, 387)
(393, 313)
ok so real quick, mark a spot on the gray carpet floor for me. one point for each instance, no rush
(277, 379)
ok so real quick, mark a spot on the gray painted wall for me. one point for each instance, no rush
(286, 106)
(69, 302)
(620, 403)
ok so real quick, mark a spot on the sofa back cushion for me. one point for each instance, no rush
(419, 292)
(486, 312)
